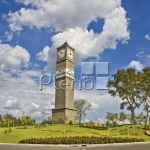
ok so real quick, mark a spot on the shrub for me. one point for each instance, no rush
(39, 126)
(79, 140)
(5, 132)
(9, 130)
(147, 133)
(70, 122)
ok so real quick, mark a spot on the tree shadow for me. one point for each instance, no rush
(95, 127)
(51, 130)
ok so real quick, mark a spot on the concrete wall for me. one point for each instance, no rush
(70, 113)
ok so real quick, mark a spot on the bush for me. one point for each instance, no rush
(70, 122)
(5, 132)
(8, 131)
(147, 133)
(79, 140)
(39, 126)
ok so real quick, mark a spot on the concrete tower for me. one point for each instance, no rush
(64, 95)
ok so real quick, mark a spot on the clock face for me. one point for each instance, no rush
(61, 53)
(70, 53)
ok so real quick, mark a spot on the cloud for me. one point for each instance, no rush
(139, 54)
(49, 106)
(136, 64)
(13, 57)
(9, 36)
(22, 90)
(148, 56)
(35, 105)
(147, 37)
(101, 120)
(59, 15)
(87, 43)
(74, 29)
(94, 105)
(32, 73)
(5, 1)
(19, 86)
(12, 104)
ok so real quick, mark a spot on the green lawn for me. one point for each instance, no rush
(19, 133)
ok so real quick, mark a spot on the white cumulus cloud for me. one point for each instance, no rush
(59, 15)
(12, 104)
(87, 43)
(94, 105)
(35, 105)
(136, 64)
(13, 57)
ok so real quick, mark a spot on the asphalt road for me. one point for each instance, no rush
(138, 146)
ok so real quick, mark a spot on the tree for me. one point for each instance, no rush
(140, 118)
(52, 121)
(145, 92)
(1, 119)
(112, 118)
(64, 118)
(26, 120)
(9, 119)
(82, 106)
(3, 122)
(115, 121)
(44, 122)
(122, 117)
(109, 117)
(78, 118)
(126, 85)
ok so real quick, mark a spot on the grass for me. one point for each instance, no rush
(19, 133)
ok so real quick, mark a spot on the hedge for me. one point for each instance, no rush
(79, 140)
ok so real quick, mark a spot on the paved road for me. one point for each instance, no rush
(141, 146)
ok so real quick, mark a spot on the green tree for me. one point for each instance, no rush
(44, 122)
(115, 121)
(9, 119)
(91, 124)
(78, 121)
(82, 106)
(109, 118)
(26, 120)
(126, 85)
(140, 118)
(1, 120)
(122, 117)
(52, 121)
(145, 92)
(64, 118)
(112, 118)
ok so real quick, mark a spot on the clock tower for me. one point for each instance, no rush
(64, 94)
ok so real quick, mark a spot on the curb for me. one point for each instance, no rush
(83, 145)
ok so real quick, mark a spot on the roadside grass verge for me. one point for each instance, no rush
(18, 133)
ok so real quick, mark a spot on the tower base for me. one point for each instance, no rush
(70, 113)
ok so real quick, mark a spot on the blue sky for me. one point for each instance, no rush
(114, 31)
